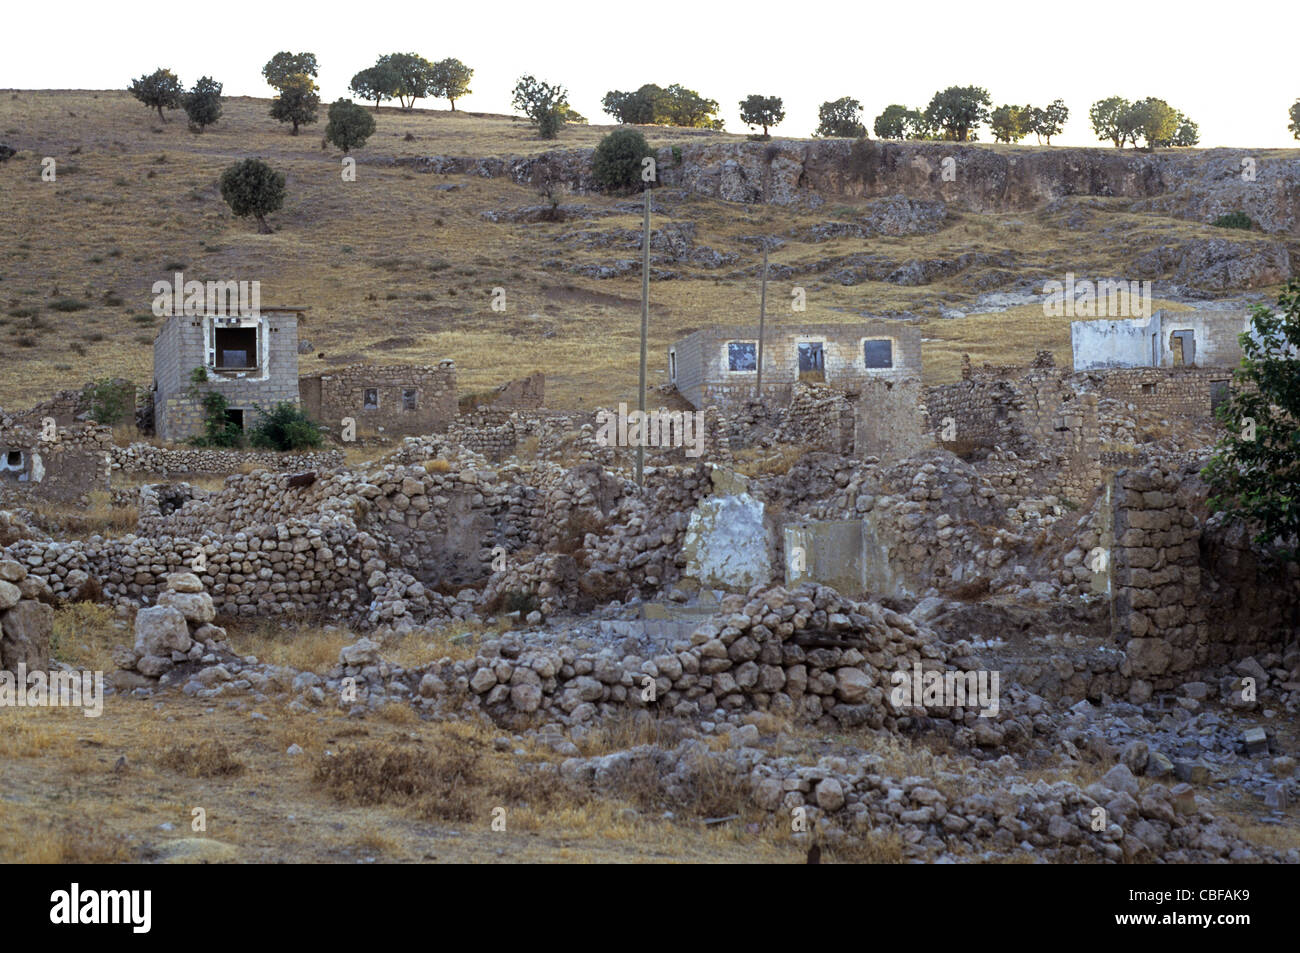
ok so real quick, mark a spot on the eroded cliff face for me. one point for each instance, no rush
(1196, 185)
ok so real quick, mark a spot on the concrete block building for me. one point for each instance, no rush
(1201, 338)
(719, 365)
(251, 359)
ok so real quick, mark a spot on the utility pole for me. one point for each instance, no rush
(645, 330)
(762, 320)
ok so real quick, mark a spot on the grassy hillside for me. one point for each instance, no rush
(396, 267)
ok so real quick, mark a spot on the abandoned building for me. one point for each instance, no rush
(52, 463)
(251, 360)
(1201, 338)
(719, 365)
(406, 400)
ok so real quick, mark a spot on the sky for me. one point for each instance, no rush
(1230, 67)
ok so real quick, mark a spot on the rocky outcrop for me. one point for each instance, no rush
(1217, 264)
(1196, 185)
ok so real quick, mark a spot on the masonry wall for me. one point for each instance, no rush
(1172, 391)
(889, 420)
(1145, 342)
(180, 347)
(703, 377)
(328, 398)
(1190, 594)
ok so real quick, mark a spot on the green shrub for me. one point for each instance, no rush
(218, 429)
(285, 427)
(109, 400)
(1234, 220)
(616, 163)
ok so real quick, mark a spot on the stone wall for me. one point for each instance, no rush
(65, 468)
(701, 369)
(404, 399)
(1186, 598)
(146, 458)
(528, 393)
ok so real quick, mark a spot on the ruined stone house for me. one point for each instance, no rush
(252, 360)
(62, 464)
(1202, 338)
(402, 399)
(1178, 363)
(719, 365)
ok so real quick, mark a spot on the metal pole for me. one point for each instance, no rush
(762, 320)
(645, 331)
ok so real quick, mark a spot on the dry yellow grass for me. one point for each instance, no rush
(135, 201)
(298, 643)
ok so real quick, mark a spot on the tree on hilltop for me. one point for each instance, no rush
(297, 102)
(451, 80)
(378, 82)
(959, 111)
(284, 65)
(415, 78)
(203, 103)
(765, 111)
(159, 90)
(840, 119)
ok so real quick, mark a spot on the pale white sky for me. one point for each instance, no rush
(1230, 66)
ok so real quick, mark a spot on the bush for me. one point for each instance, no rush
(1234, 220)
(202, 104)
(108, 400)
(349, 125)
(616, 164)
(285, 427)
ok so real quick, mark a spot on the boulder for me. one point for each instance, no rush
(25, 632)
(161, 630)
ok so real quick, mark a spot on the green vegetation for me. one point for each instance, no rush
(159, 90)
(1234, 220)
(109, 400)
(765, 111)
(285, 427)
(616, 163)
(253, 188)
(840, 119)
(349, 125)
(203, 103)
(297, 102)
(958, 112)
(284, 65)
(1255, 473)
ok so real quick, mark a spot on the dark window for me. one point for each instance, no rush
(672, 365)
(878, 352)
(408, 400)
(14, 459)
(742, 356)
(1218, 393)
(236, 348)
(1149, 389)
(812, 361)
(371, 399)
(235, 416)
